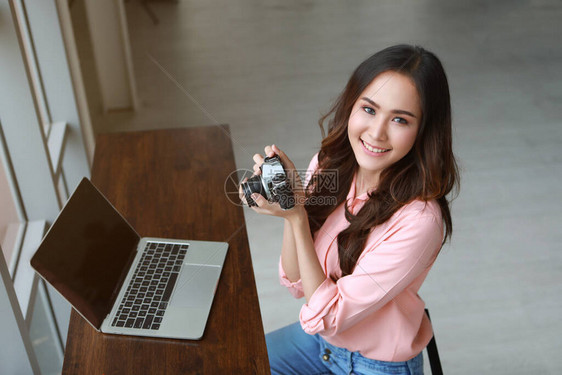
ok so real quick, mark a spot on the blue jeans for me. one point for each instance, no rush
(292, 351)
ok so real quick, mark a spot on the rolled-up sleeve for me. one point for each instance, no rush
(384, 270)
(294, 287)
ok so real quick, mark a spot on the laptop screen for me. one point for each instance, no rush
(86, 253)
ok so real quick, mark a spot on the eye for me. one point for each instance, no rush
(400, 120)
(369, 110)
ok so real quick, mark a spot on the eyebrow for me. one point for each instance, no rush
(397, 111)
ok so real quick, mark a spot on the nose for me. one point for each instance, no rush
(378, 129)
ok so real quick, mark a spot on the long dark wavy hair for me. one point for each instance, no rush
(428, 172)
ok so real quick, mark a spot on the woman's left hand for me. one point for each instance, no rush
(267, 208)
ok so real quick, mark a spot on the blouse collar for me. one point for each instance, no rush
(351, 198)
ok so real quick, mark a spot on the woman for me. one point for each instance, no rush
(360, 263)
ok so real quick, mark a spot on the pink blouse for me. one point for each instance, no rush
(376, 310)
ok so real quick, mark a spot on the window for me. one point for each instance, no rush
(39, 162)
(11, 226)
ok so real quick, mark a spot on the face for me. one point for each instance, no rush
(384, 123)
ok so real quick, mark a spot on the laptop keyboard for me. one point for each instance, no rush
(151, 286)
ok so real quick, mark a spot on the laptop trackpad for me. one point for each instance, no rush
(195, 286)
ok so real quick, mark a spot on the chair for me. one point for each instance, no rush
(432, 353)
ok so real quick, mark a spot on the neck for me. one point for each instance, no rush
(365, 181)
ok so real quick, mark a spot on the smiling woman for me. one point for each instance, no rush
(360, 261)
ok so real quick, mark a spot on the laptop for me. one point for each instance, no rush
(122, 283)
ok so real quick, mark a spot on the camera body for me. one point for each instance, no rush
(272, 184)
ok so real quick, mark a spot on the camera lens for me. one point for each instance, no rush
(253, 185)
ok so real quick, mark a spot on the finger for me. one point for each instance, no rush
(241, 194)
(259, 199)
(269, 151)
(241, 191)
(278, 151)
(258, 159)
(286, 161)
(257, 170)
(242, 181)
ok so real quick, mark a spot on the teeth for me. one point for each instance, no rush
(377, 150)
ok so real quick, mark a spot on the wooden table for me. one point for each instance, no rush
(170, 183)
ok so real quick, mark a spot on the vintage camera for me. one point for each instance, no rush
(272, 184)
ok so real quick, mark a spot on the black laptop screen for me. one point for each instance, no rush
(87, 252)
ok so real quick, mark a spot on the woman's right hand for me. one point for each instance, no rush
(266, 207)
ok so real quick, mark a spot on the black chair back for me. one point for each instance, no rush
(433, 354)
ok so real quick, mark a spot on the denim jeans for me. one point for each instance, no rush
(292, 351)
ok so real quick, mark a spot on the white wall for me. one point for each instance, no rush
(110, 42)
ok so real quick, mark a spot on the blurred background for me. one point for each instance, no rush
(270, 68)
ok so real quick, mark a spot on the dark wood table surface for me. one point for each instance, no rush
(170, 183)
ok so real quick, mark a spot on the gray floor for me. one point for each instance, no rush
(269, 68)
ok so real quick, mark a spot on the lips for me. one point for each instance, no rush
(373, 149)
